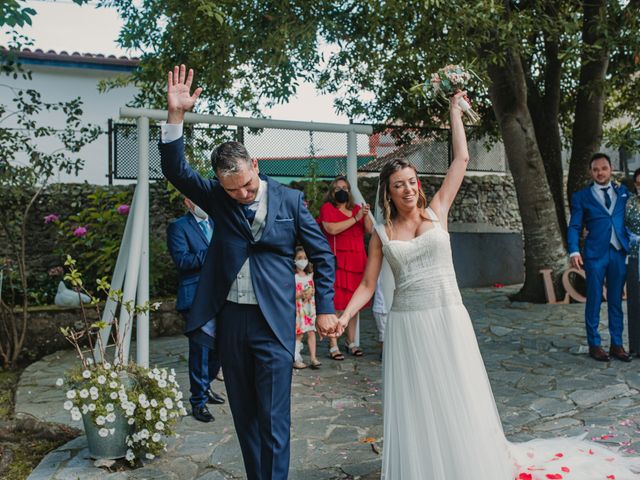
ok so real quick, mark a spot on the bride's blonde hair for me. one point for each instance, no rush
(389, 210)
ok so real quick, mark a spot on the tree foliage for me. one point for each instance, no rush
(554, 73)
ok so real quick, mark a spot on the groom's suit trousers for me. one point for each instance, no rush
(257, 374)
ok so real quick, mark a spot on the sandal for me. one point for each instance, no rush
(354, 350)
(335, 354)
(299, 365)
(315, 364)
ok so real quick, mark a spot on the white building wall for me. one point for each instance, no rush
(57, 83)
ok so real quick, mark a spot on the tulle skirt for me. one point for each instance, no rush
(441, 420)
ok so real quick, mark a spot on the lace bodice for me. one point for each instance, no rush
(422, 269)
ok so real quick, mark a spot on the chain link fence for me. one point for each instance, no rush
(293, 154)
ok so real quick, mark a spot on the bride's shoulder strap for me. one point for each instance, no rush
(433, 216)
(382, 233)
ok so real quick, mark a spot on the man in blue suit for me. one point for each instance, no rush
(247, 285)
(188, 239)
(600, 208)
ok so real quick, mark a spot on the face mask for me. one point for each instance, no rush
(341, 196)
(302, 264)
(198, 212)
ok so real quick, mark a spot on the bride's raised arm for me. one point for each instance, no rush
(443, 199)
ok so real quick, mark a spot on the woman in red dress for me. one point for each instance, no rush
(344, 225)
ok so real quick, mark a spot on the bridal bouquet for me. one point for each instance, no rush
(448, 81)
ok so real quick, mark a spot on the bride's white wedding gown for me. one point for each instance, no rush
(440, 417)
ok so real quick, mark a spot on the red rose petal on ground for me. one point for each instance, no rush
(611, 477)
(559, 455)
(553, 476)
(525, 476)
(565, 469)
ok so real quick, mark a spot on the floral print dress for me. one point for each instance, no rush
(305, 304)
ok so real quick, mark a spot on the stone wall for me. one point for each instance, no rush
(43, 331)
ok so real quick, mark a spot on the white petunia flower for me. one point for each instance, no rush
(75, 415)
(71, 394)
(92, 407)
(162, 383)
(129, 456)
(113, 375)
(154, 403)
(159, 426)
(156, 437)
(106, 365)
(103, 432)
(68, 405)
(147, 415)
(100, 420)
(113, 384)
(168, 402)
(59, 382)
(150, 456)
(93, 391)
(109, 407)
(113, 396)
(144, 433)
(84, 393)
(102, 379)
(85, 409)
(111, 417)
(86, 374)
(131, 421)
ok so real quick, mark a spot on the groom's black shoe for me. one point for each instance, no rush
(214, 398)
(617, 351)
(597, 353)
(202, 414)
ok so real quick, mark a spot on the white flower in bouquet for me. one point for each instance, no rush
(93, 391)
(113, 384)
(59, 382)
(102, 379)
(162, 383)
(156, 437)
(84, 393)
(100, 420)
(154, 403)
(92, 407)
(131, 421)
(130, 455)
(103, 432)
(111, 417)
(109, 407)
(106, 365)
(168, 402)
(147, 415)
(75, 414)
(113, 375)
(68, 405)
(150, 456)
(86, 374)
(113, 396)
(71, 394)
(159, 426)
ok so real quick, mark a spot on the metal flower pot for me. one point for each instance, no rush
(113, 445)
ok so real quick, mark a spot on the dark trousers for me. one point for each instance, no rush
(257, 374)
(204, 364)
(612, 268)
(203, 367)
(633, 305)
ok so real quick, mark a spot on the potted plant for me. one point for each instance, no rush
(127, 410)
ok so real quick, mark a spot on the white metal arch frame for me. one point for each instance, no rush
(131, 273)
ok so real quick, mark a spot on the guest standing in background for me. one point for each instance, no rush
(344, 224)
(632, 221)
(188, 239)
(601, 208)
(305, 310)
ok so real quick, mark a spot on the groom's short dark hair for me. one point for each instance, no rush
(598, 156)
(227, 157)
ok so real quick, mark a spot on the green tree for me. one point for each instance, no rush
(27, 165)
(553, 71)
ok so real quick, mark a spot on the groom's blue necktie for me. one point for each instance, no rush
(249, 213)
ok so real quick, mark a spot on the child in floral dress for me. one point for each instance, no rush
(305, 309)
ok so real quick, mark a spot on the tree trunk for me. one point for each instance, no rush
(545, 110)
(587, 126)
(543, 242)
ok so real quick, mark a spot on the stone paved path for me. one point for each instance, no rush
(544, 384)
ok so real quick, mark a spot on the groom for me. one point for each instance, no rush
(247, 285)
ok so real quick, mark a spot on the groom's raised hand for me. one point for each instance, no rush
(179, 98)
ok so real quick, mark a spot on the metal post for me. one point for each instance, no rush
(108, 313)
(133, 265)
(110, 151)
(142, 325)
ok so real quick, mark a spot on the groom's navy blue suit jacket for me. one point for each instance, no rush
(288, 222)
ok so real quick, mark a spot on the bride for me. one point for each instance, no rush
(440, 417)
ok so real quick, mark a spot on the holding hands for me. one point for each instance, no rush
(328, 326)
